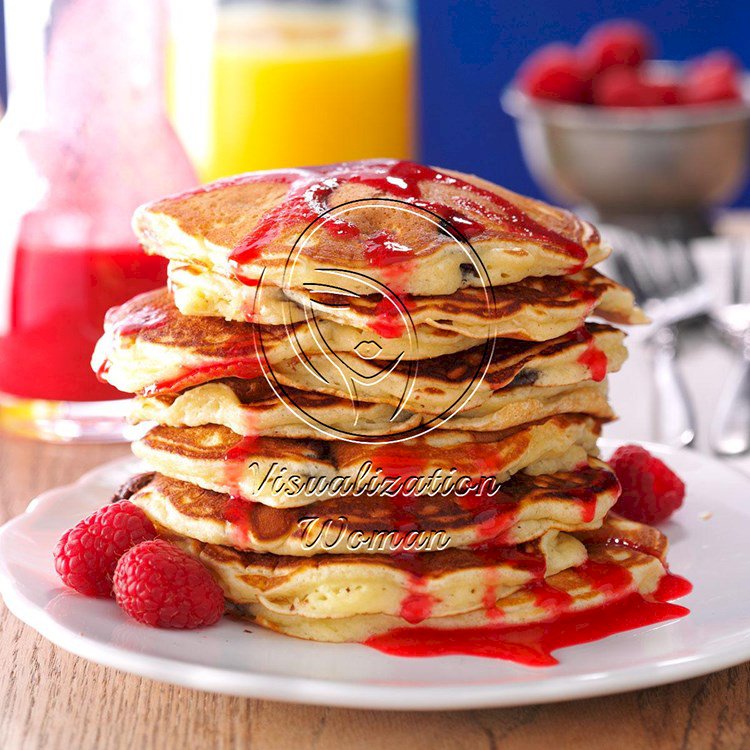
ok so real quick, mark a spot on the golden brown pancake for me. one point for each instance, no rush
(449, 582)
(571, 590)
(443, 385)
(401, 224)
(534, 309)
(251, 408)
(525, 508)
(261, 469)
(148, 345)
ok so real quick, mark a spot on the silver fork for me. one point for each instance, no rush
(730, 428)
(667, 285)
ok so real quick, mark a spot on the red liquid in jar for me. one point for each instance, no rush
(58, 300)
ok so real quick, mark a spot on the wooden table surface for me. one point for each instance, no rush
(51, 699)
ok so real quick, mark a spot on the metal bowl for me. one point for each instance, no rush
(635, 165)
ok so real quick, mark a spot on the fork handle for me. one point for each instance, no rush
(674, 418)
(730, 431)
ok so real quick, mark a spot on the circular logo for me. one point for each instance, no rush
(388, 358)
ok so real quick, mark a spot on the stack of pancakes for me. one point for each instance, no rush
(376, 396)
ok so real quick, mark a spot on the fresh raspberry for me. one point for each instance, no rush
(86, 555)
(712, 78)
(628, 87)
(554, 72)
(651, 491)
(613, 44)
(159, 585)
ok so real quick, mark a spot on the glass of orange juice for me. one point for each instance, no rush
(261, 84)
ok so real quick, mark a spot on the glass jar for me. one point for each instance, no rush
(85, 141)
(263, 84)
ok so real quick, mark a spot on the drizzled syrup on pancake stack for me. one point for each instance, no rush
(374, 393)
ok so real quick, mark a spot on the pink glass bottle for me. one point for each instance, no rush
(86, 140)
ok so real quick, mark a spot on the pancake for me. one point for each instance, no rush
(518, 404)
(148, 345)
(443, 385)
(571, 590)
(535, 309)
(284, 473)
(526, 508)
(251, 408)
(399, 223)
(452, 581)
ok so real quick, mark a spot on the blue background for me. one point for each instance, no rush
(470, 50)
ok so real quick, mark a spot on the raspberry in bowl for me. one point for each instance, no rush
(644, 143)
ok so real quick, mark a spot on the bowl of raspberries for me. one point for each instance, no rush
(638, 140)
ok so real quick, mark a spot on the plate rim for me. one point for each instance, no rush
(347, 694)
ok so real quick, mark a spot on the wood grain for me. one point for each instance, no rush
(50, 699)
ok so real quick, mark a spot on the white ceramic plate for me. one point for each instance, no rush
(711, 550)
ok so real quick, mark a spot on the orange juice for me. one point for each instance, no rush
(289, 87)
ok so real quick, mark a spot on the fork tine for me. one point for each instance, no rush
(627, 277)
(685, 267)
(643, 266)
(665, 268)
(737, 262)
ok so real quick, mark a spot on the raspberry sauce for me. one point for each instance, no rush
(533, 645)
(592, 358)
(247, 368)
(310, 189)
(387, 321)
(59, 298)
(235, 460)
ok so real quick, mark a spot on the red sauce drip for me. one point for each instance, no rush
(306, 200)
(587, 502)
(382, 250)
(242, 449)
(494, 522)
(246, 280)
(593, 358)
(607, 578)
(534, 644)
(241, 367)
(589, 296)
(387, 322)
(549, 598)
(236, 514)
(144, 319)
(466, 226)
(310, 189)
(492, 556)
(489, 598)
(398, 460)
(494, 514)
(672, 587)
(234, 462)
(417, 605)
(530, 645)
(58, 297)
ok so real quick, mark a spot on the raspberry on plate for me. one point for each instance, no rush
(86, 555)
(162, 586)
(554, 72)
(651, 491)
(615, 43)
